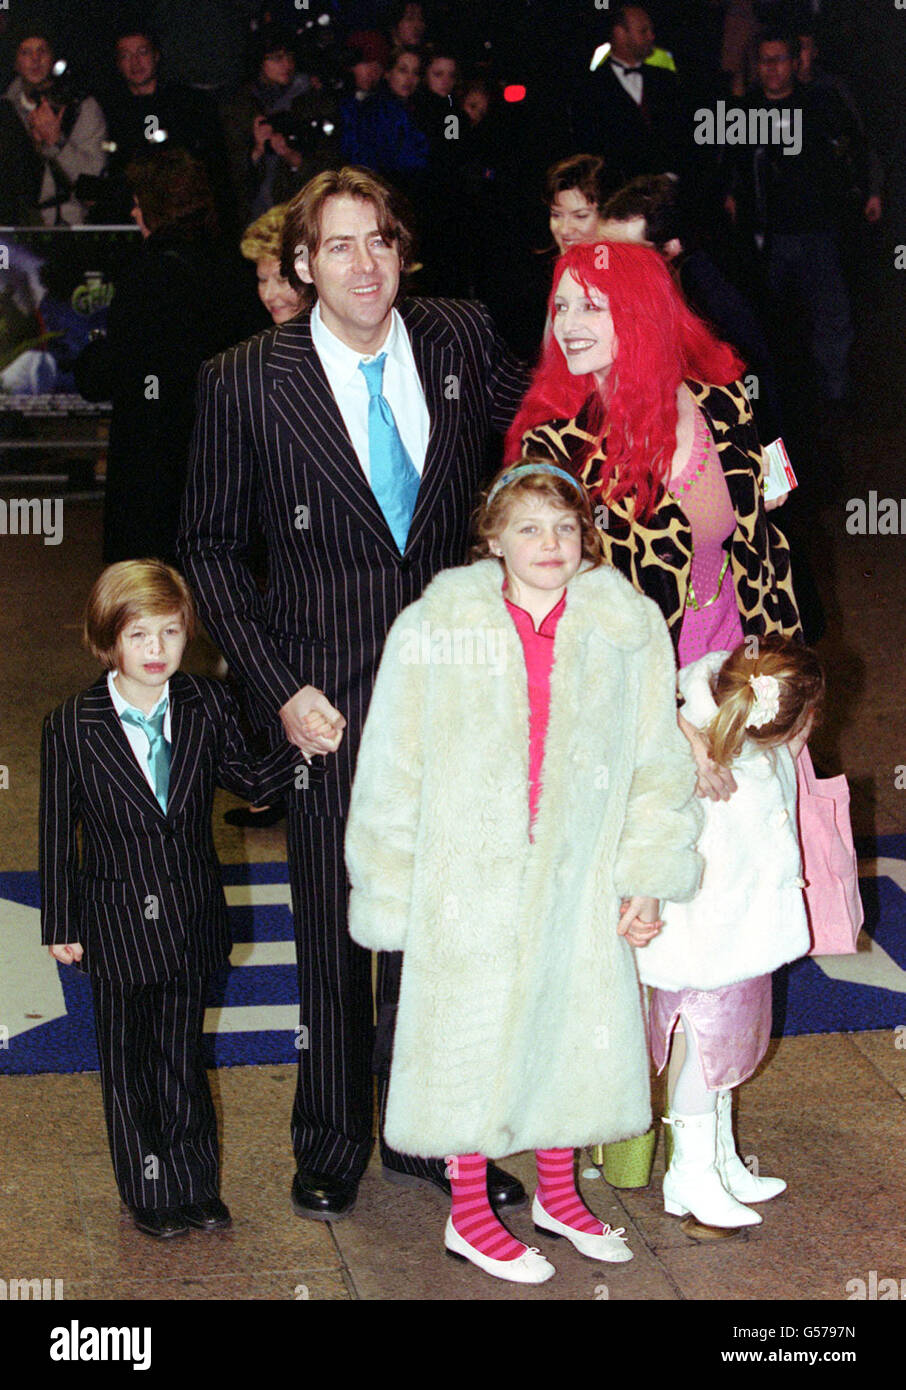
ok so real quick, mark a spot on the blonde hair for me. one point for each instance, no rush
(264, 238)
(131, 589)
(493, 513)
(800, 681)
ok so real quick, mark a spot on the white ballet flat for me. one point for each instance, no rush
(530, 1268)
(609, 1245)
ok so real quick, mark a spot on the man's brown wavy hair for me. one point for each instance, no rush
(302, 227)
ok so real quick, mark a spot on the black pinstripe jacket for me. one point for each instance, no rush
(271, 449)
(144, 897)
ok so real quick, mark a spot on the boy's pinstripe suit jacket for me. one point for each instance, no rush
(144, 897)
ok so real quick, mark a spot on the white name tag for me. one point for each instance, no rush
(778, 471)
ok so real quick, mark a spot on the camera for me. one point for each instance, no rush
(282, 123)
(60, 93)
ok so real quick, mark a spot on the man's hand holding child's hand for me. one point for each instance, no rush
(317, 725)
(311, 722)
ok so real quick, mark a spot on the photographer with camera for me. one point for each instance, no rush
(306, 141)
(258, 149)
(66, 127)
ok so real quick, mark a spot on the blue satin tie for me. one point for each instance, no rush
(394, 477)
(158, 748)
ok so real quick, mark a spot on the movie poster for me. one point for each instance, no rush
(56, 284)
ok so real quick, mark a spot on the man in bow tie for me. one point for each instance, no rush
(627, 110)
(356, 435)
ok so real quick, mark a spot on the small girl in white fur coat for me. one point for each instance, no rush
(711, 965)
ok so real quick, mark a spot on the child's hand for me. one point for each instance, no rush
(640, 933)
(317, 725)
(639, 921)
(306, 704)
(67, 954)
(714, 781)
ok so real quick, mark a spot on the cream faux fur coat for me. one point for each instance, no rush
(520, 1022)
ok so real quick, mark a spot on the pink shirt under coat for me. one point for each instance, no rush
(538, 650)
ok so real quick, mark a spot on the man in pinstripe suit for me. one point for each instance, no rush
(282, 440)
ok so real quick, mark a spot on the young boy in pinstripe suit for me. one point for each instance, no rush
(130, 765)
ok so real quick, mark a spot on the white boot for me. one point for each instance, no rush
(692, 1182)
(734, 1174)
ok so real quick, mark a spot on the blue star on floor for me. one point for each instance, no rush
(46, 1021)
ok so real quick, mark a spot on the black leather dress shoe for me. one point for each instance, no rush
(208, 1215)
(505, 1192)
(160, 1222)
(321, 1197)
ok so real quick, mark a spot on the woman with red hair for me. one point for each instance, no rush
(636, 397)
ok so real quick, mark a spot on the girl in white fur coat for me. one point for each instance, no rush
(711, 965)
(520, 1023)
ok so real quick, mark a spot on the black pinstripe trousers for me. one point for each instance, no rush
(333, 1111)
(160, 1117)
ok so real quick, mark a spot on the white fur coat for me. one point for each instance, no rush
(748, 917)
(519, 1022)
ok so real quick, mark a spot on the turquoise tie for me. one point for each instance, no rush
(394, 477)
(158, 748)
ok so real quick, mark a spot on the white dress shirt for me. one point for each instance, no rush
(402, 388)
(631, 82)
(139, 741)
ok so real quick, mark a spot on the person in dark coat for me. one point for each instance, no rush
(792, 210)
(441, 230)
(143, 111)
(627, 110)
(169, 314)
(255, 134)
(22, 174)
(379, 132)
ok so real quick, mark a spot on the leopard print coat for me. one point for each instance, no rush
(656, 556)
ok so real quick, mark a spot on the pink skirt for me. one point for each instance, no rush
(732, 1026)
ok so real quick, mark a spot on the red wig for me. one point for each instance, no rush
(659, 342)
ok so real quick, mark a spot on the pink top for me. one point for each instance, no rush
(701, 490)
(538, 649)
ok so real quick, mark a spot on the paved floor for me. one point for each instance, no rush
(826, 1112)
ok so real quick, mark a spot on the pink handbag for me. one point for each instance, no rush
(832, 901)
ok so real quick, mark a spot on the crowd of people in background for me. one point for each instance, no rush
(464, 121)
(508, 148)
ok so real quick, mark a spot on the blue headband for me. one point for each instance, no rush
(526, 468)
